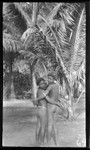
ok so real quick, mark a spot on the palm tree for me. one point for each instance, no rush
(56, 30)
(11, 42)
(78, 52)
(61, 27)
(11, 45)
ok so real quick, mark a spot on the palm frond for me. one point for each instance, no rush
(62, 78)
(27, 7)
(78, 47)
(50, 16)
(10, 43)
(80, 74)
(21, 66)
(35, 41)
(55, 29)
(54, 11)
(58, 23)
(24, 14)
(28, 55)
(46, 8)
(52, 38)
(40, 68)
(13, 14)
(28, 37)
(12, 29)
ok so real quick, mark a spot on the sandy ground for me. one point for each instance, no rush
(19, 129)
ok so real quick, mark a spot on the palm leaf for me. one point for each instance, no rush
(40, 68)
(35, 41)
(58, 26)
(12, 29)
(21, 66)
(30, 56)
(10, 43)
(27, 7)
(55, 42)
(15, 16)
(79, 43)
(46, 8)
(24, 14)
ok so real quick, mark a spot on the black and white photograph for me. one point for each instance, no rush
(44, 74)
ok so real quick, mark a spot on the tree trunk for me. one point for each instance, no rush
(12, 96)
(6, 91)
(12, 93)
(34, 86)
(35, 14)
(70, 109)
(9, 90)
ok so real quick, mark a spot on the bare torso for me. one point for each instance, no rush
(43, 101)
(54, 91)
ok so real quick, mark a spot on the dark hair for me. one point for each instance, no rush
(39, 80)
(51, 75)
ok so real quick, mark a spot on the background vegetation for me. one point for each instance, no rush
(41, 39)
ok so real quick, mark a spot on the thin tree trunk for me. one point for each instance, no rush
(34, 86)
(70, 109)
(12, 97)
(34, 23)
(33, 79)
(9, 90)
(6, 90)
(35, 14)
(12, 93)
